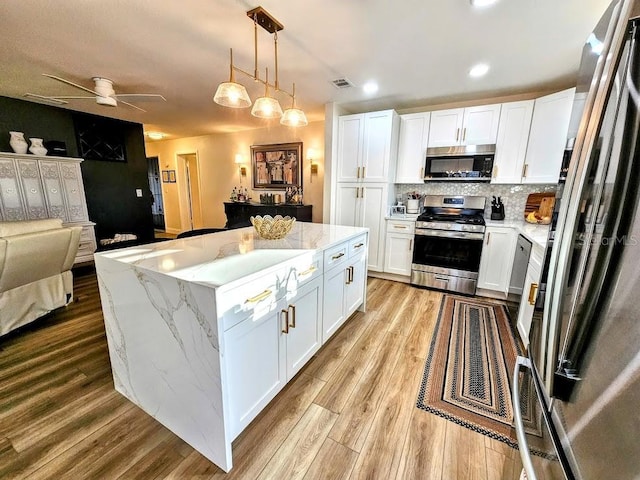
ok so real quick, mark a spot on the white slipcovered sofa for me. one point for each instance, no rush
(36, 257)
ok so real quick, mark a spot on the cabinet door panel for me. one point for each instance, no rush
(29, 175)
(350, 144)
(374, 204)
(72, 180)
(480, 125)
(348, 205)
(377, 146)
(53, 190)
(525, 312)
(10, 199)
(497, 259)
(305, 338)
(548, 137)
(334, 301)
(355, 288)
(412, 147)
(398, 253)
(255, 363)
(511, 146)
(446, 127)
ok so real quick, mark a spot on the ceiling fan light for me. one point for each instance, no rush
(231, 94)
(266, 107)
(294, 117)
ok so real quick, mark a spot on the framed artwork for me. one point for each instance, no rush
(168, 176)
(277, 166)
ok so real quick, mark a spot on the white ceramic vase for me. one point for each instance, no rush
(36, 147)
(17, 142)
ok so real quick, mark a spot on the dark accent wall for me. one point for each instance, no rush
(110, 187)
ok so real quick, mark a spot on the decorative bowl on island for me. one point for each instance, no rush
(272, 228)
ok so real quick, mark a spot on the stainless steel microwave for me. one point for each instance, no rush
(462, 163)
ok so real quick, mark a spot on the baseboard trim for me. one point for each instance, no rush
(389, 276)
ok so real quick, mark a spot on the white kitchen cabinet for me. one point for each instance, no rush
(511, 145)
(412, 147)
(266, 350)
(366, 144)
(33, 187)
(344, 284)
(364, 205)
(548, 137)
(529, 294)
(399, 247)
(497, 259)
(464, 126)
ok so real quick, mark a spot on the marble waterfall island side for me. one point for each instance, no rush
(176, 314)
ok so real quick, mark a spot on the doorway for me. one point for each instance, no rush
(189, 186)
(155, 186)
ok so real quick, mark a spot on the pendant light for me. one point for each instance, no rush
(294, 117)
(266, 107)
(232, 94)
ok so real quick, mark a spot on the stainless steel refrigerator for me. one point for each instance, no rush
(580, 381)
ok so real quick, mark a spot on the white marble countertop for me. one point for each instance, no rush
(411, 217)
(227, 257)
(537, 234)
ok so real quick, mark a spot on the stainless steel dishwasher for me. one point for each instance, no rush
(518, 274)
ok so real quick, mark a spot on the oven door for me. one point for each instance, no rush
(447, 250)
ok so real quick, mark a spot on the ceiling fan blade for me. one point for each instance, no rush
(74, 97)
(133, 106)
(141, 97)
(68, 82)
(55, 101)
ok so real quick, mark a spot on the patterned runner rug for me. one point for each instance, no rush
(467, 373)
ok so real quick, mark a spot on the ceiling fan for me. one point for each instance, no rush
(102, 92)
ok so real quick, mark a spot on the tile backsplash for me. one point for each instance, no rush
(514, 197)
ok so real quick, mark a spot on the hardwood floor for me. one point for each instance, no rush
(349, 414)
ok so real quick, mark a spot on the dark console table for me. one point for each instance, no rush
(238, 213)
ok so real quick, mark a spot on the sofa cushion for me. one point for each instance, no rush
(8, 229)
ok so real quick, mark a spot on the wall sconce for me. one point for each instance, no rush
(314, 166)
(242, 170)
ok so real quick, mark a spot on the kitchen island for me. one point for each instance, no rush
(204, 331)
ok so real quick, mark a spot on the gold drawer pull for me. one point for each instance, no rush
(293, 315)
(309, 270)
(335, 257)
(286, 320)
(257, 298)
(358, 245)
(533, 290)
(403, 227)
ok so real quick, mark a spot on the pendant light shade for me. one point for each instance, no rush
(231, 94)
(266, 107)
(294, 117)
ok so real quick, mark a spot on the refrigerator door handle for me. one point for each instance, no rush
(525, 456)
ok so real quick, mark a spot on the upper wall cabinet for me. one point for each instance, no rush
(464, 126)
(412, 147)
(365, 145)
(511, 146)
(548, 137)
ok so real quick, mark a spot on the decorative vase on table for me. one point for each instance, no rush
(36, 147)
(17, 142)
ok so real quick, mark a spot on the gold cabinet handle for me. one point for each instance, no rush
(363, 174)
(533, 290)
(422, 173)
(401, 227)
(357, 192)
(335, 257)
(358, 174)
(286, 320)
(358, 245)
(525, 167)
(411, 244)
(308, 271)
(349, 275)
(457, 134)
(257, 298)
(464, 134)
(495, 171)
(293, 315)
(362, 191)
(488, 237)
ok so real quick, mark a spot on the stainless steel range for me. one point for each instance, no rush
(448, 243)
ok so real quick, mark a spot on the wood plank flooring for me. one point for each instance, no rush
(349, 414)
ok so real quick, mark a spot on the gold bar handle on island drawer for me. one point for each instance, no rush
(257, 298)
(308, 271)
(335, 257)
(293, 315)
(533, 290)
(404, 227)
(358, 245)
(286, 320)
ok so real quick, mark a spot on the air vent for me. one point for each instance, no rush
(342, 83)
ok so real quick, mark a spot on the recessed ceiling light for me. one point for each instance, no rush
(482, 3)
(155, 135)
(479, 70)
(370, 87)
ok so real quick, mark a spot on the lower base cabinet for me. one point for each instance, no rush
(497, 259)
(529, 295)
(265, 352)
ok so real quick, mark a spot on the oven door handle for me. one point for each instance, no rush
(517, 417)
(449, 234)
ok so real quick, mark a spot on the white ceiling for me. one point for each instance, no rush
(419, 52)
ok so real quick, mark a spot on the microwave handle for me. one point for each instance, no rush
(525, 456)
